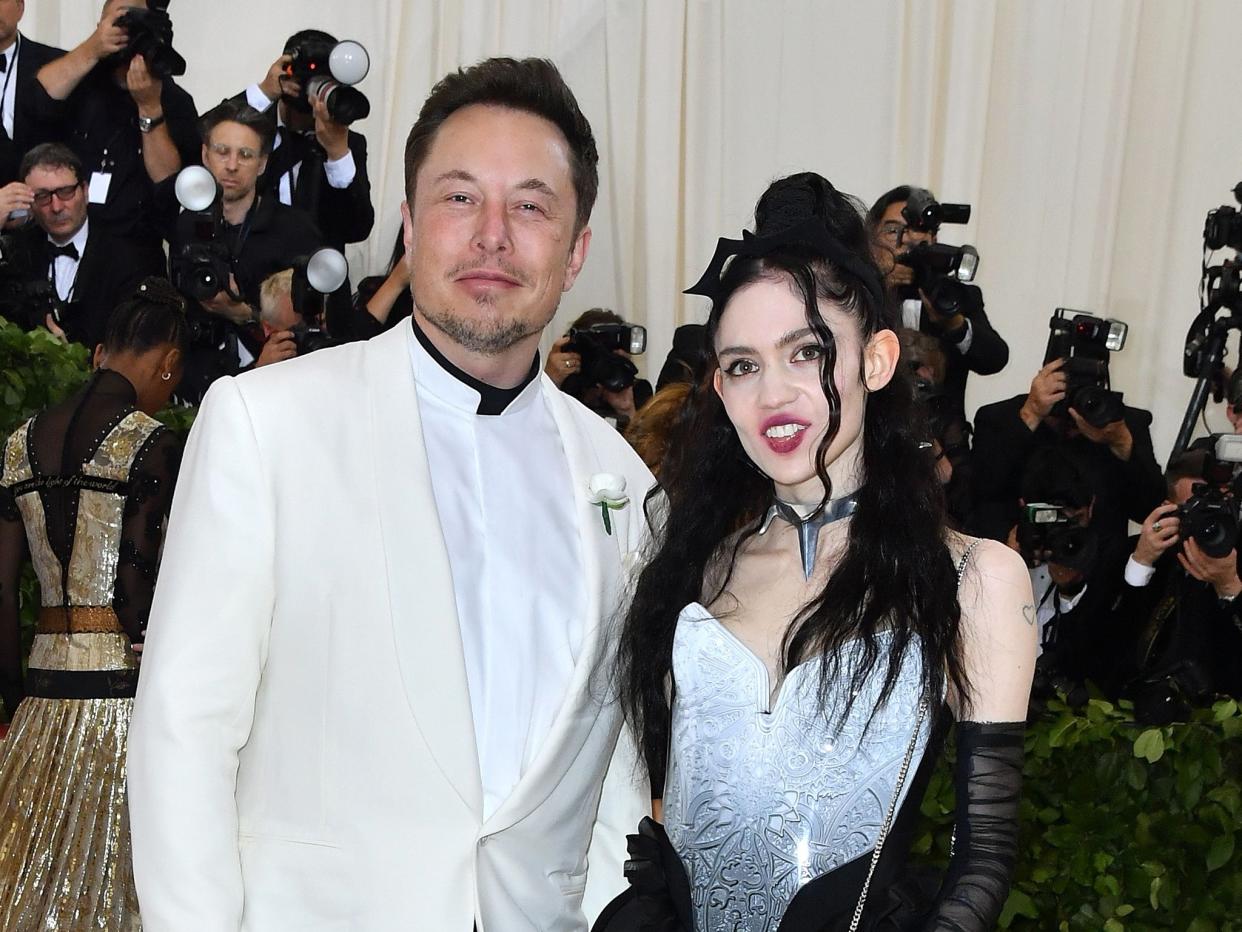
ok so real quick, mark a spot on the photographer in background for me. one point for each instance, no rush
(922, 354)
(318, 164)
(592, 363)
(291, 313)
(900, 220)
(1075, 567)
(23, 57)
(113, 100)
(1070, 408)
(68, 277)
(256, 234)
(1181, 590)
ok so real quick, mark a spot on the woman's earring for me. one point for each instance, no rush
(166, 376)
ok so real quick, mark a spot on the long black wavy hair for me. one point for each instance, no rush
(896, 573)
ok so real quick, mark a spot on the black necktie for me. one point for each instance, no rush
(69, 250)
(4, 63)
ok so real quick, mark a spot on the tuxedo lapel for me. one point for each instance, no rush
(420, 586)
(601, 559)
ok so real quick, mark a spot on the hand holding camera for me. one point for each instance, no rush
(1114, 435)
(109, 38)
(272, 86)
(1160, 531)
(1220, 572)
(561, 362)
(1047, 389)
(280, 346)
(145, 88)
(333, 136)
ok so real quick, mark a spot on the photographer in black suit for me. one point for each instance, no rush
(317, 165)
(966, 336)
(131, 127)
(1181, 594)
(20, 60)
(71, 275)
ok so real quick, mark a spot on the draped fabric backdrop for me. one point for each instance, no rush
(1091, 136)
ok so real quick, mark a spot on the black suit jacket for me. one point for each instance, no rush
(1004, 445)
(28, 129)
(1175, 621)
(343, 215)
(110, 269)
(99, 121)
(988, 352)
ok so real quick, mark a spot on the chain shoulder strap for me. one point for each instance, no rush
(901, 776)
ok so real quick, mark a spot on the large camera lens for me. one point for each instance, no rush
(1216, 534)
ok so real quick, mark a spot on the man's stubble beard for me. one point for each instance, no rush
(488, 336)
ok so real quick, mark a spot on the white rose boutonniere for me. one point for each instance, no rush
(608, 491)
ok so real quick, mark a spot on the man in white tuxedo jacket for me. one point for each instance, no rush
(375, 693)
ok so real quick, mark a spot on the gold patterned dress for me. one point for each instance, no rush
(85, 489)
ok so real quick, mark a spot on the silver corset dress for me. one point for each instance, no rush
(758, 802)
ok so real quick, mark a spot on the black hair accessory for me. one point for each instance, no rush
(810, 233)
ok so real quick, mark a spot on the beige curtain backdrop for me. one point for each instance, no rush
(1091, 136)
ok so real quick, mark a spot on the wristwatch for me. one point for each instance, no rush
(146, 124)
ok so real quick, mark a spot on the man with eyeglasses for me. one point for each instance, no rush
(969, 342)
(262, 235)
(70, 277)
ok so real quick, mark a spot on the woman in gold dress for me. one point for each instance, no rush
(85, 489)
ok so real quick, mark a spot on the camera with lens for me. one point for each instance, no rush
(1210, 516)
(924, 213)
(1085, 342)
(150, 35)
(1048, 533)
(201, 260)
(328, 70)
(601, 364)
(26, 296)
(314, 278)
(1223, 227)
(940, 271)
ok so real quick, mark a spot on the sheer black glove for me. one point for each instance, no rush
(988, 779)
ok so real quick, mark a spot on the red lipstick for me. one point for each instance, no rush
(784, 441)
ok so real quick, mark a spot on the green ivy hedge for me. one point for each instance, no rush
(1124, 827)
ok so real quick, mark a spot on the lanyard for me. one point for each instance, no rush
(8, 76)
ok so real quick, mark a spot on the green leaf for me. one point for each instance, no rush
(1220, 852)
(1226, 708)
(1114, 925)
(1018, 904)
(1150, 745)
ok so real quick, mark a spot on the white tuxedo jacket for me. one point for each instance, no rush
(302, 751)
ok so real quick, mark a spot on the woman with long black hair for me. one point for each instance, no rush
(85, 490)
(806, 614)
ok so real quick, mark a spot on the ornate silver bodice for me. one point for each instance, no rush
(759, 802)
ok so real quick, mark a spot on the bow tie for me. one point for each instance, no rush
(808, 527)
(68, 250)
(4, 63)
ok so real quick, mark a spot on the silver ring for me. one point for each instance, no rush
(1156, 526)
(569, 363)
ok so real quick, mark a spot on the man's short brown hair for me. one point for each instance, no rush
(533, 85)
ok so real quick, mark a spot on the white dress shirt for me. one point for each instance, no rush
(340, 172)
(912, 316)
(507, 511)
(65, 269)
(10, 83)
(1048, 602)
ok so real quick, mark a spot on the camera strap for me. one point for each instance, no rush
(9, 71)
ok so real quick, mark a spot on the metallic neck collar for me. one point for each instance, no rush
(808, 527)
